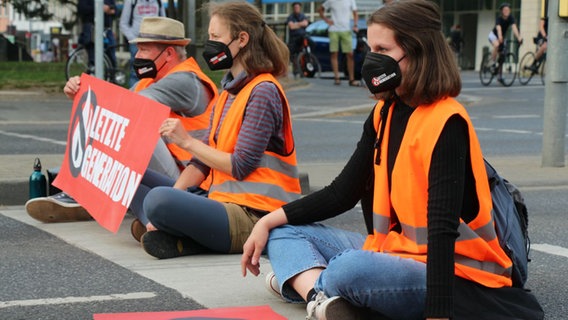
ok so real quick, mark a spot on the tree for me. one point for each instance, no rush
(40, 9)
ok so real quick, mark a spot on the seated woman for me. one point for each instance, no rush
(419, 173)
(249, 159)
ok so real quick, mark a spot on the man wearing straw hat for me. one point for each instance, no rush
(166, 76)
(169, 77)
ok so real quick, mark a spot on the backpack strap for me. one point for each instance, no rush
(134, 2)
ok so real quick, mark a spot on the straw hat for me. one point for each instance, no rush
(161, 30)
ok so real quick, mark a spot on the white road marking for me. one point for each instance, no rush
(515, 131)
(37, 302)
(550, 249)
(500, 88)
(34, 122)
(517, 116)
(332, 120)
(27, 136)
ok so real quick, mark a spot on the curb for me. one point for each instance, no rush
(16, 193)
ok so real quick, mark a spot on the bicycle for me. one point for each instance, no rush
(505, 68)
(528, 68)
(305, 63)
(113, 71)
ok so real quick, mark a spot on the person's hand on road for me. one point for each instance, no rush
(253, 247)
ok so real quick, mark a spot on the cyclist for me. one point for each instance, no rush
(502, 24)
(541, 40)
(86, 12)
(297, 23)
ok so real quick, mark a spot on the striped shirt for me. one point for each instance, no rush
(261, 127)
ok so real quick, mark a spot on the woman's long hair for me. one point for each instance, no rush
(432, 72)
(265, 51)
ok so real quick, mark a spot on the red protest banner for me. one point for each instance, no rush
(235, 313)
(112, 134)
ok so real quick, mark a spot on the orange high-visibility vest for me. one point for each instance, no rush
(276, 180)
(478, 255)
(195, 126)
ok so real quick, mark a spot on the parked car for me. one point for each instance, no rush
(318, 33)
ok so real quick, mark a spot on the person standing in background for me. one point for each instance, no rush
(86, 14)
(456, 41)
(340, 35)
(297, 23)
(132, 14)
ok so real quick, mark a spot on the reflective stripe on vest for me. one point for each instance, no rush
(196, 126)
(420, 234)
(478, 255)
(275, 181)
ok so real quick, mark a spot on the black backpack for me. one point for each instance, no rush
(511, 223)
(134, 2)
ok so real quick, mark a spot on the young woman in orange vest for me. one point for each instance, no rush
(249, 158)
(418, 171)
(168, 76)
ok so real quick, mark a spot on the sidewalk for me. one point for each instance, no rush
(193, 276)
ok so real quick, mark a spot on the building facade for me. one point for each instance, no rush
(476, 17)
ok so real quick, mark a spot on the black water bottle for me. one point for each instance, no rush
(38, 183)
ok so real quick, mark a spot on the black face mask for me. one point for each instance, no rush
(218, 55)
(146, 68)
(381, 72)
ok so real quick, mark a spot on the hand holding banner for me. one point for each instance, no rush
(112, 134)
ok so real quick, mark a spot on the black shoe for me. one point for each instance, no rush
(533, 68)
(163, 245)
(493, 68)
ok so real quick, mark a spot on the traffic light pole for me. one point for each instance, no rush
(556, 89)
(99, 29)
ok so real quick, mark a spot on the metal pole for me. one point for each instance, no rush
(99, 24)
(190, 25)
(556, 89)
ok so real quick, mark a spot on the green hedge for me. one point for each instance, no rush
(48, 76)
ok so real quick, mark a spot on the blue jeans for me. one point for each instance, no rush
(392, 286)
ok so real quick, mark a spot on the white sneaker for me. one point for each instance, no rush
(334, 308)
(59, 207)
(272, 286)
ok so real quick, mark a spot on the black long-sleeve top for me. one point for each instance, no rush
(451, 195)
